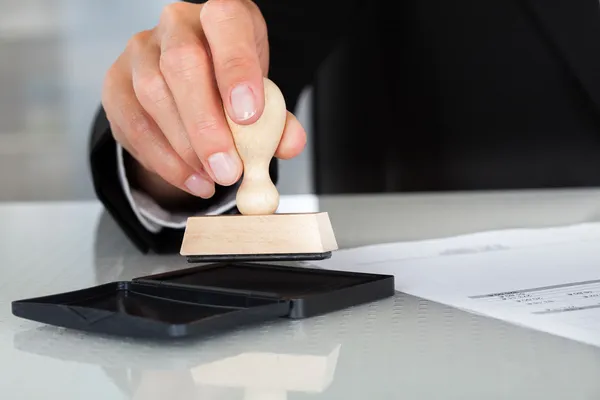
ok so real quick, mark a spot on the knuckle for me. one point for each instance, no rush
(172, 13)
(151, 88)
(207, 135)
(254, 9)
(206, 126)
(183, 58)
(221, 10)
(237, 62)
(137, 42)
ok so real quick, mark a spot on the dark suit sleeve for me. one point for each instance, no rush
(301, 35)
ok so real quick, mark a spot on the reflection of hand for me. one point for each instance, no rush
(166, 94)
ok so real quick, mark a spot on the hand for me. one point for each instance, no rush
(166, 95)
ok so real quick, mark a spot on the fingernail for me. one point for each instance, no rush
(200, 186)
(224, 168)
(242, 101)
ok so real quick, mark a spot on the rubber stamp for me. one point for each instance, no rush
(259, 233)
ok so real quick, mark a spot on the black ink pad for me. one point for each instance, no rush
(205, 299)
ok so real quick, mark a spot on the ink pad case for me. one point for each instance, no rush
(205, 299)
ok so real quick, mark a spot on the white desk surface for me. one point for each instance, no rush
(399, 348)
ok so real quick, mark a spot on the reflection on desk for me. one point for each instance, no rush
(403, 347)
(246, 370)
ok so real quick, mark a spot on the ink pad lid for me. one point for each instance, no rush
(205, 299)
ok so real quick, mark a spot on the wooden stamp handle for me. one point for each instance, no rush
(256, 144)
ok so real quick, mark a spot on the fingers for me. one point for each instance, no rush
(187, 69)
(293, 140)
(155, 96)
(167, 94)
(229, 30)
(141, 134)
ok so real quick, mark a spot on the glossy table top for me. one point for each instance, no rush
(399, 348)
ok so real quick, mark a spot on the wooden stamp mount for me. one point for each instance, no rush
(262, 237)
(259, 233)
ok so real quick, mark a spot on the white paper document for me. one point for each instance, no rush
(545, 279)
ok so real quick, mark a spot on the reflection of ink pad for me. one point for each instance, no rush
(205, 299)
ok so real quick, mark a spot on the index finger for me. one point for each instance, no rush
(229, 31)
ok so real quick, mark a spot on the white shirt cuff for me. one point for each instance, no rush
(153, 217)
